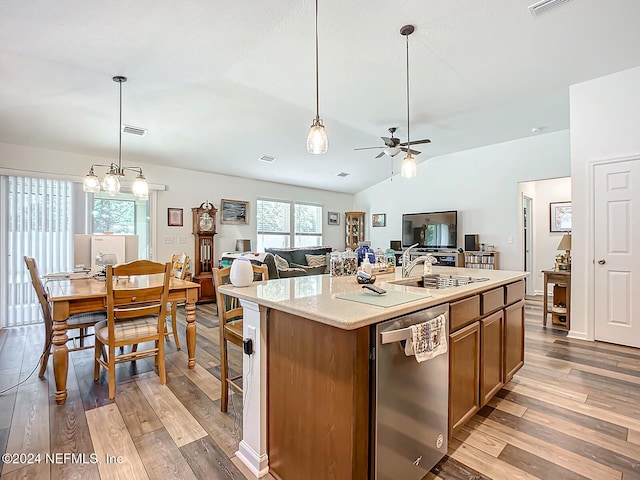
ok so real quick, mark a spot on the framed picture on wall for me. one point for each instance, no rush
(333, 218)
(560, 216)
(379, 220)
(234, 212)
(174, 217)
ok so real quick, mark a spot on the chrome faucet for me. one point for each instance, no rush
(408, 266)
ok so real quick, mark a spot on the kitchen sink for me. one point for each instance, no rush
(438, 280)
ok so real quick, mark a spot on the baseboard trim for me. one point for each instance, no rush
(257, 464)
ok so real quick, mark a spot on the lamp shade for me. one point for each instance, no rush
(317, 142)
(565, 243)
(243, 245)
(409, 168)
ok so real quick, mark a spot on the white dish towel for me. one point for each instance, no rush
(428, 339)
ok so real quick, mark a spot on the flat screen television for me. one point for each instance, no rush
(430, 230)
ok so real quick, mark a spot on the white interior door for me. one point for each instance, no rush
(617, 233)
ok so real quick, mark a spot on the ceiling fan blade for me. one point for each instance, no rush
(366, 148)
(381, 154)
(415, 142)
(388, 141)
(415, 152)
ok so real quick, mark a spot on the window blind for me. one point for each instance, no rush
(37, 222)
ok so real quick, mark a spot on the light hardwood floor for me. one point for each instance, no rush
(572, 412)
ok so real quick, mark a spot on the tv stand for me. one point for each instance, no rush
(445, 259)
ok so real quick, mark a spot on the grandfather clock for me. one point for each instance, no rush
(204, 228)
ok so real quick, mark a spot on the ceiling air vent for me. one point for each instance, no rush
(134, 130)
(540, 8)
(342, 174)
(267, 159)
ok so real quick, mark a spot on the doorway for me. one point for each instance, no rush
(527, 247)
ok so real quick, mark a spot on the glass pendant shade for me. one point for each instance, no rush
(140, 187)
(111, 184)
(91, 183)
(408, 168)
(317, 141)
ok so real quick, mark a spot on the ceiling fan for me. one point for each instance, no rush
(393, 146)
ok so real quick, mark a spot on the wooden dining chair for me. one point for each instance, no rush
(230, 327)
(136, 313)
(179, 269)
(81, 321)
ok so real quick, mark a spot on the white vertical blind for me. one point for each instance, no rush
(37, 222)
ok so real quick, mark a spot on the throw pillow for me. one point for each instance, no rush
(281, 263)
(316, 260)
(310, 270)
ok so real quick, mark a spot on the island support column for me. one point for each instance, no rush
(252, 450)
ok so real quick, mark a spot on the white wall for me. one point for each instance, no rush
(186, 189)
(545, 242)
(482, 184)
(604, 125)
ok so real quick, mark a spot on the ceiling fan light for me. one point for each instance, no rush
(409, 168)
(91, 184)
(111, 184)
(392, 151)
(317, 141)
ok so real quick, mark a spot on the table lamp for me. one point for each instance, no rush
(243, 245)
(565, 244)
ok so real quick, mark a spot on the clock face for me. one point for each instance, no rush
(206, 222)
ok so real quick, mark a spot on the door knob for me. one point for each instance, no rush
(602, 261)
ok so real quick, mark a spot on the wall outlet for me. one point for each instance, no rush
(510, 239)
(251, 333)
(182, 240)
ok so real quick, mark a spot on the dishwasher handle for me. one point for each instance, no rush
(395, 336)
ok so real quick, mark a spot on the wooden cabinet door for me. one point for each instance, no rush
(491, 372)
(513, 339)
(464, 375)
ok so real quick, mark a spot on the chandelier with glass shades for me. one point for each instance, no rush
(111, 182)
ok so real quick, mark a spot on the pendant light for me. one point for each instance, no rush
(408, 168)
(111, 182)
(317, 141)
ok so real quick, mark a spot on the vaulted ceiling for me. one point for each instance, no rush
(219, 84)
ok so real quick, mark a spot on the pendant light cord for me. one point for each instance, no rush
(317, 83)
(408, 129)
(120, 134)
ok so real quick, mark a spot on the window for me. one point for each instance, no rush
(124, 214)
(288, 224)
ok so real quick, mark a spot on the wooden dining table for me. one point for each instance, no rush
(82, 294)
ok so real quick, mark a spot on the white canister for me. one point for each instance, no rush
(241, 274)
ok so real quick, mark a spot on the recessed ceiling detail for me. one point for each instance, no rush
(540, 8)
(267, 159)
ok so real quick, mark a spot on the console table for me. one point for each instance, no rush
(561, 307)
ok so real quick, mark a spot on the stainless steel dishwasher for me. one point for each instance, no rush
(410, 401)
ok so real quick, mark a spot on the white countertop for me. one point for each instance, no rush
(315, 296)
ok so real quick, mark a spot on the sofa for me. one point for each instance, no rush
(285, 262)
(297, 263)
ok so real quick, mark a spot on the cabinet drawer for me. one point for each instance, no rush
(514, 292)
(463, 312)
(492, 300)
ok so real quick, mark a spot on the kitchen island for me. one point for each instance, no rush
(307, 384)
